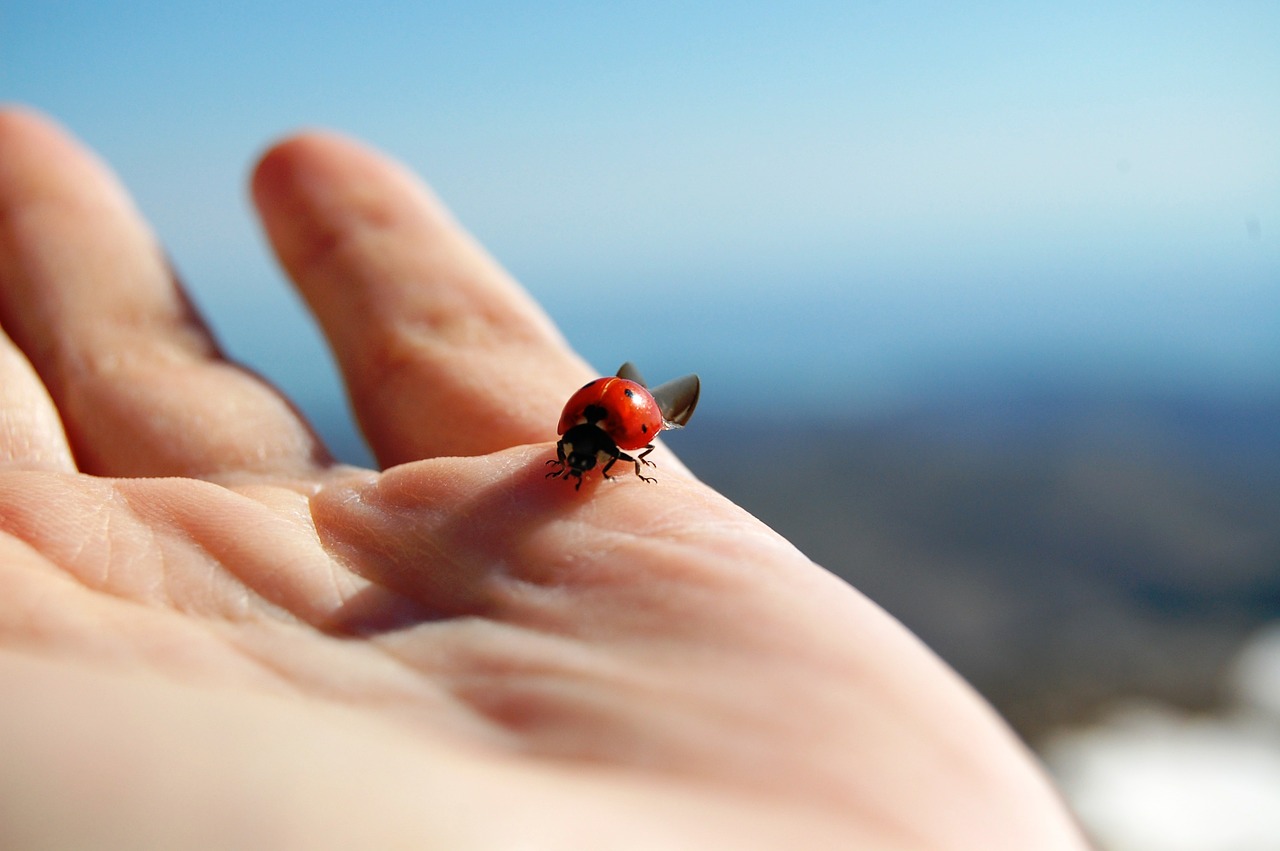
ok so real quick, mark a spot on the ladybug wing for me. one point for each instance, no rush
(677, 399)
(630, 373)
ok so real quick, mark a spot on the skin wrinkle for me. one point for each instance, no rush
(282, 674)
(594, 547)
(183, 341)
(491, 570)
(153, 550)
(529, 703)
(532, 600)
(519, 696)
(100, 537)
(249, 574)
(428, 552)
(66, 639)
(446, 691)
(389, 647)
(150, 603)
(606, 551)
(597, 544)
(422, 555)
(153, 604)
(509, 678)
(343, 584)
(69, 357)
(269, 680)
(544, 712)
(510, 634)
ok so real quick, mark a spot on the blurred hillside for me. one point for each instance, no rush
(1061, 549)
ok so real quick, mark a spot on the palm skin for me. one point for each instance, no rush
(214, 636)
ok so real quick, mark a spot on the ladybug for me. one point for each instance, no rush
(616, 413)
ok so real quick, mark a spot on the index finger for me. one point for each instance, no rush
(442, 352)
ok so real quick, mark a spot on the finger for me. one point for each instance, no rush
(443, 354)
(31, 436)
(88, 296)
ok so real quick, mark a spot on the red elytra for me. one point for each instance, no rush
(622, 409)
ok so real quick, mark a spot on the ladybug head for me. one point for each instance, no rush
(579, 460)
(582, 448)
(583, 445)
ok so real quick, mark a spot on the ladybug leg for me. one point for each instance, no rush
(567, 472)
(622, 456)
(559, 461)
(642, 455)
(562, 468)
(604, 471)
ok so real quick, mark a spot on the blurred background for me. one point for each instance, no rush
(985, 299)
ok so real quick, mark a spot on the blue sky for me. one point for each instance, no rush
(855, 198)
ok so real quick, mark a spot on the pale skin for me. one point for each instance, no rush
(211, 635)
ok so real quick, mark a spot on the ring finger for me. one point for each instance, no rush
(87, 295)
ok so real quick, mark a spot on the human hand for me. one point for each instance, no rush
(211, 635)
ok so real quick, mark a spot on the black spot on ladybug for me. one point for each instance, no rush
(630, 393)
(644, 427)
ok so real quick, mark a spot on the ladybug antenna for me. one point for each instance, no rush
(677, 399)
(630, 373)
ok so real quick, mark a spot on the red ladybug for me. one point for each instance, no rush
(615, 413)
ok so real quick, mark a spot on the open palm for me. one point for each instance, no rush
(212, 635)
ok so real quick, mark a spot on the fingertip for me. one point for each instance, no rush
(18, 120)
(314, 188)
(283, 168)
(313, 165)
(35, 150)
